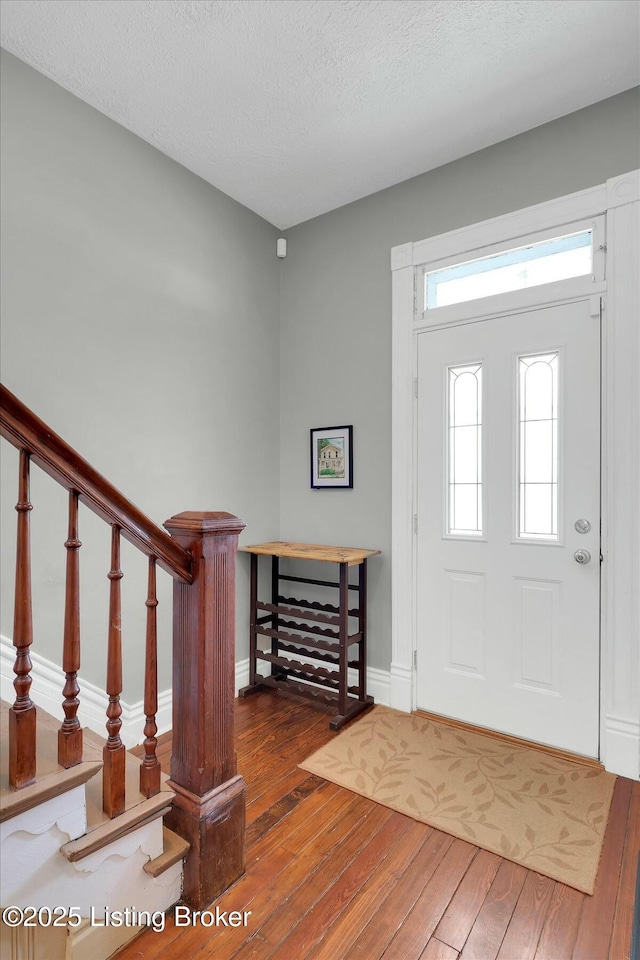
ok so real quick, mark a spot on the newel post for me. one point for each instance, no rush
(209, 808)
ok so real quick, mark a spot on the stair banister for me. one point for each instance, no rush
(199, 553)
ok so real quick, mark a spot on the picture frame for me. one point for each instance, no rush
(331, 458)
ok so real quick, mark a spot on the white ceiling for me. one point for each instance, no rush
(296, 107)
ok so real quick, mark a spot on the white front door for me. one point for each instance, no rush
(508, 507)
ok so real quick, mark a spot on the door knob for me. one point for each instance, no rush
(582, 556)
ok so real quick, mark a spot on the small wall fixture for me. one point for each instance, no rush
(281, 248)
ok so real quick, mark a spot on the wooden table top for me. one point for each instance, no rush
(311, 551)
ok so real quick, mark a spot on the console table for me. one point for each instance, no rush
(321, 644)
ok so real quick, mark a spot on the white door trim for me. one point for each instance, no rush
(619, 199)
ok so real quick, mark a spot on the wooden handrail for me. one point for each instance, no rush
(22, 428)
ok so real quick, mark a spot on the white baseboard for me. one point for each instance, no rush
(400, 689)
(46, 692)
(379, 685)
(622, 747)
(242, 674)
(378, 681)
(48, 681)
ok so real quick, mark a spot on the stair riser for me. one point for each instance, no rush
(112, 876)
(33, 839)
(86, 940)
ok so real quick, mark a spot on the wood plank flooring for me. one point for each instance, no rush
(332, 875)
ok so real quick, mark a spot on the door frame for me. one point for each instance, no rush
(619, 201)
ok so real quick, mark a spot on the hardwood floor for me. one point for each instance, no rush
(332, 875)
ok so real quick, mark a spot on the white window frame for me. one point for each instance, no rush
(555, 291)
(615, 208)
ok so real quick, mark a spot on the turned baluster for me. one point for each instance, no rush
(150, 769)
(114, 754)
(70, 733)
(22, 715)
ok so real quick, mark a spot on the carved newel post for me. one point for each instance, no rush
(209, 808)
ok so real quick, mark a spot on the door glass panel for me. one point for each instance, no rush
(538, 446)
(464, 437)
(544, 262)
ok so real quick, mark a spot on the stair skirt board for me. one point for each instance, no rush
(89, 938)
(32, 840)
(48, 681)
(112, 878)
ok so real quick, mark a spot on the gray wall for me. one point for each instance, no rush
(336, 314)
(141, 314)
(140, 320)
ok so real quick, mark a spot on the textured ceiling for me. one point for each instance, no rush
(295, 107)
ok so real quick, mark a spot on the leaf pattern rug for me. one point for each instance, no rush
(546, 813)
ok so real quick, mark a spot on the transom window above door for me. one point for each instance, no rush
(530, 265)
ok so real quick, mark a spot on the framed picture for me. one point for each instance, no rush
(331, 458)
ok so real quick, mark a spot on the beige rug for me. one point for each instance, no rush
(548, 814)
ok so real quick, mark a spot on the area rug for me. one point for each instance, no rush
(546, 813)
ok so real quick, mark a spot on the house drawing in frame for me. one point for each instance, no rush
(331, 457)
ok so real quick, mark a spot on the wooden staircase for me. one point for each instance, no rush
(67, 803)
(84, 823)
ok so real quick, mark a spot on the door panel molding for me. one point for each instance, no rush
(619, 199)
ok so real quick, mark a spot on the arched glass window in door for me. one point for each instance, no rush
(538, 446)
(464, 438)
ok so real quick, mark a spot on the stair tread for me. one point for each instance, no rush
(174, 848)
(53, 779)
(106, 832)
(138, 808)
